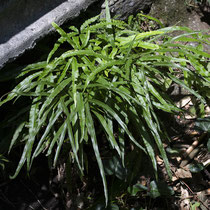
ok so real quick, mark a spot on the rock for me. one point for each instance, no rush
(124, 8)
(170, 12)
(177, 12)
(24, 22)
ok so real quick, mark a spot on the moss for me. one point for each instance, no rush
(170, 12)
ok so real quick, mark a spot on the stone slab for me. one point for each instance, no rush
(23, 22)
(122, 9)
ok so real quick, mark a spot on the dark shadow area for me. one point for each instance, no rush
(205, 9)
(206, 17)
(31, 191)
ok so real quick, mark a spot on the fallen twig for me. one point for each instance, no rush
(191, 152)
(193, 193)
(194, 145)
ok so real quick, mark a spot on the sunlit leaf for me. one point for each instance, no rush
(19, 87)
(54, 93)
(16, 135)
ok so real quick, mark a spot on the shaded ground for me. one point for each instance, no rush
(47, 190)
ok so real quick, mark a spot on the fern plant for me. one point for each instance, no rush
(112, 75)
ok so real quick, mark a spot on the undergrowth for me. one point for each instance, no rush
(107, 76)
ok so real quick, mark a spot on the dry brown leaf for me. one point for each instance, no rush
(174, 178)
(185, 202)
(159, 160)
(183, 173)
(203, 197)
(184, 102)
(207, 111)
(178, 159)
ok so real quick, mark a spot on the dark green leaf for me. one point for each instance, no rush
(158, 189)
(133, 190)
(196, 167)
(203, 124)
(113, 166)
(208, 144)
